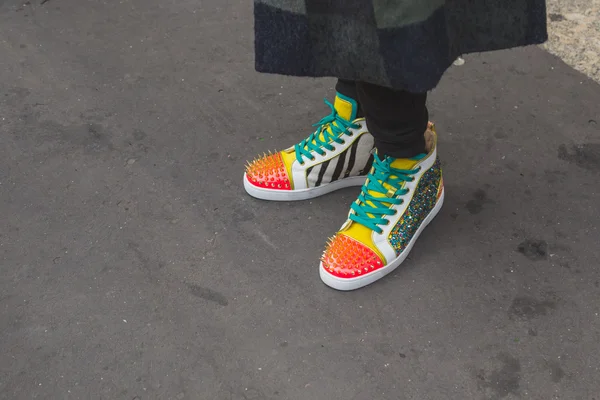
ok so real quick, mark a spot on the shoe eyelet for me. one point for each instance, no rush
(312, 159)
(343, 141)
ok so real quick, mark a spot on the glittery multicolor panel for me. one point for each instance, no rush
(348, 258)
(423, 201)
(268, 172)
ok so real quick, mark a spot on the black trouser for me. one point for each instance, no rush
(396, 119)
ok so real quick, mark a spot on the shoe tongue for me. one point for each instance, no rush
(398, 163)
(346, 107)
(401, 163)
(360, 232)
(407, 163)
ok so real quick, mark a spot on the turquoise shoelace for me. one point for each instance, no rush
(331, 128)
(370, 209)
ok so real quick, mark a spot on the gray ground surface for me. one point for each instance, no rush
(134, 267)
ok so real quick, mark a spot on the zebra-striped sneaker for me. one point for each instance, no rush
(338, 154)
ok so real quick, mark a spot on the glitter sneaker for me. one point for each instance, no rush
(398, 200)
(338, 154)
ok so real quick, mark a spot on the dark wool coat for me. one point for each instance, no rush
(403, 44)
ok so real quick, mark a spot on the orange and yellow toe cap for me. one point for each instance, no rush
(346, 257)
(269, 172)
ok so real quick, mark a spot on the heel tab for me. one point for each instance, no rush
(431, 127)
(430, 137)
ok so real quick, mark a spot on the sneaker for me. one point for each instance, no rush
(398, 200)
(338, 154)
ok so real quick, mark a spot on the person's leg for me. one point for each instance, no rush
(396, 119)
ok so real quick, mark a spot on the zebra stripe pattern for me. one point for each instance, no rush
(354, 161)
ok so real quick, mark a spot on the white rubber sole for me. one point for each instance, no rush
(346, 284)
(301, 194)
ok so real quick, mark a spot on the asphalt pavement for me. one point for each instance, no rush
(133, 265)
